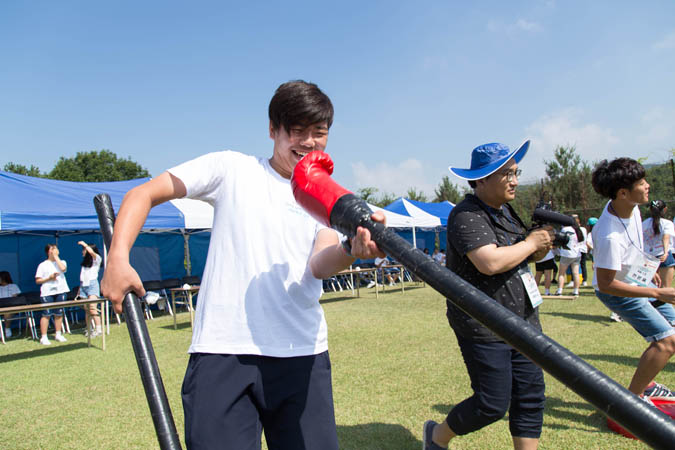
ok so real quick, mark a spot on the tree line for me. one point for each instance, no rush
(92, 166)
(566, 187)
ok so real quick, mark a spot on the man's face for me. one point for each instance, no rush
(638, 193)
(497, 188)
(292, 145)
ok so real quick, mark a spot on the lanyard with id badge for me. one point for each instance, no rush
(531, 287)
(642, 271)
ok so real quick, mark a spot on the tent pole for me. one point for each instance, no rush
(186, 250)
(414, 238)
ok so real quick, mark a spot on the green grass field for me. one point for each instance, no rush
(395, 365)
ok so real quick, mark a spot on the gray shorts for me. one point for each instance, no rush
(565, 261)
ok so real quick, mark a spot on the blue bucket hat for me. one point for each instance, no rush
(489, 158)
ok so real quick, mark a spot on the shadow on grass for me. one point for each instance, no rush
(374, 435)
(581, 317)
(338, 299)
(571, 412)
(43, 350)
(579, 415)
(615, 359)
(179, 326)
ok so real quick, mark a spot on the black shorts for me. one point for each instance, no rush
(229, 400)
(545, 265)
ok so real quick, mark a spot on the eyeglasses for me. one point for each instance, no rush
(510, 174)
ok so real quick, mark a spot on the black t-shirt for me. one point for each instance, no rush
(473, 224)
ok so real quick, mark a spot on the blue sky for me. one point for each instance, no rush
(415, 85)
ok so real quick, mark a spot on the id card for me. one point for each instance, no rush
(531, 287)
(642, 272)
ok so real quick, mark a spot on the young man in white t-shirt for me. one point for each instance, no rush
(259, 358)
(50, 275)
(618, 253)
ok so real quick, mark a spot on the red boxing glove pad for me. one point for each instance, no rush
(313, 188)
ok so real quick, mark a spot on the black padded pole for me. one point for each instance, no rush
(646, 422)
(140, 341)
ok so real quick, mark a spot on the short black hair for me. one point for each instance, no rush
(6, 277)
(47, 247)
(621, 173)
(88, 261)
(299, 103)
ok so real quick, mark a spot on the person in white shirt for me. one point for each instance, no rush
(570, 256)
(50, 275)
(621, 280)
(89, 287)
(658, 233)
(259, 355)
(391, 273)
(8, 289)
(438, 256)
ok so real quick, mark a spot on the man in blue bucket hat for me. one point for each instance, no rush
(489, 246)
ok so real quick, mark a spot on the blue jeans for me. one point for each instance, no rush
(53, 299)
(502, 380)
(669, 262)
(90, 289)
(654, 323)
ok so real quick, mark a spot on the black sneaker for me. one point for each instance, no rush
(658, 390)
(427, 442)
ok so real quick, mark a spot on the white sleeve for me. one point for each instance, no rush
(201, 176)
(668, 227)
(40, 272)
(608, 254)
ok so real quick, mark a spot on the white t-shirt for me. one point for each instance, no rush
(381, 261)
(89, 274)
(9, 290)
(52, 287)
(582, 245)
(589, 242)
(654, 242)
(573, 244)
(258, 295)
(617, 243)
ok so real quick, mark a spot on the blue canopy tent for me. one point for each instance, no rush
(36, 211)
(429, 219)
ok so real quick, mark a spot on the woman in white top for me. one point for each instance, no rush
(89, 287)
(657, 231)
(50, 275)
(570, 256)
(8, 289)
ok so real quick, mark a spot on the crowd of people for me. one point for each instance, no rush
(50, 276)
(259, 360)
